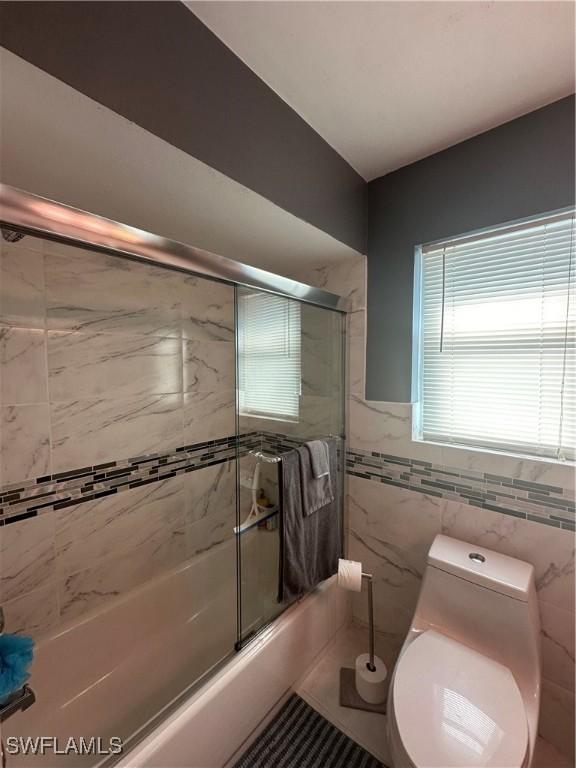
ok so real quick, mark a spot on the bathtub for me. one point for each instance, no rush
(217, 721)
(110, 673)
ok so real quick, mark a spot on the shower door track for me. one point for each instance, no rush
(36, 215)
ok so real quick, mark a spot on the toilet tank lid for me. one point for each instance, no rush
(500, 573)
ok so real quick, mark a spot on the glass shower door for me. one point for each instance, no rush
(290, 389)
(117, 549)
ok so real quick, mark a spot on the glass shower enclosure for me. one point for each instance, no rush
(148, 393)
(290, 374)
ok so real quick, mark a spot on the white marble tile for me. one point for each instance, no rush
(22, 285)
(27, 243)
(390, 531)
(319, 417)
(387, 428)
(205, 534)
(550, 473)
(356, 367)
(321, 368)
(207, 309)
(382, 427)
(395, 517)
(249, 423)
(113, 526)
(209, 416)
(318, 324)
(397, 577)
(357, 324)
(556, 723)
(211, 493)
(209, 366)
(481, 461)
(391, 619)
(535, 470)
(210, 507)
(25, 442)
(23, 377)
(346, 278)
(89, 291)
(91, 365)
(557, 645)
(34, 613)
(220, 571)
(27, 559)
(259, 578)
(94, 588)
(550, 550)
(87, 432)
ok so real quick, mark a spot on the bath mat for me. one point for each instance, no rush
(299, 737)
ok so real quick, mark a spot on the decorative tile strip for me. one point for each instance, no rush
(540, 503)
(67, 489)
(22, 501)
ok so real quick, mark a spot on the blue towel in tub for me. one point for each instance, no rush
(16, 654)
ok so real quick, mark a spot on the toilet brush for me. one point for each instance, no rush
(365, 686)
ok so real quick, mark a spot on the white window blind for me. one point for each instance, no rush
(497, 332)
(269, 355)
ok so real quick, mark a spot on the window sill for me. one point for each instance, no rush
(493, 452)
(266, 417)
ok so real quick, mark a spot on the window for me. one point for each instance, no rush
(269, 355)
(497, 319)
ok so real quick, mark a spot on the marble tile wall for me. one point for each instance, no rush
(538, 502)
(108, 369)
(390, 528)
(103, 360)
(66, 563)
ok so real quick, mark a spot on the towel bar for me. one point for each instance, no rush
(267, 459)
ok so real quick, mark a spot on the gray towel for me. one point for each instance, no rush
(310, 544)
(319, 458)
(316, 493)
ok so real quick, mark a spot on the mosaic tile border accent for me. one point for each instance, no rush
(25, 500)
(547, 504)
(537, 502)
(67, 489)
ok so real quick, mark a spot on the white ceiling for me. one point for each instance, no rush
(387, 83)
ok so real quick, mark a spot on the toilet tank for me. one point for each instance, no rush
(486, 601)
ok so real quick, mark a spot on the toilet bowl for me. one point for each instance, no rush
(466, 687)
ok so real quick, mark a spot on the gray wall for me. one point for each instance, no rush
(156, 64)
(522, 168)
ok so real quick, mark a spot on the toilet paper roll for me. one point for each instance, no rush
(350, 575)
(371, 685)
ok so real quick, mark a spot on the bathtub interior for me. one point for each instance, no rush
(111, 673)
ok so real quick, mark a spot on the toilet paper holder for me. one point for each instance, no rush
(368, 579)
(349, 572)
(363, 689)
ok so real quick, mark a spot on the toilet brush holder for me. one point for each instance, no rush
(366, 686)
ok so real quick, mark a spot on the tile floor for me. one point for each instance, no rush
(320, 688)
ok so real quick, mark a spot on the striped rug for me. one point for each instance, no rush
(299, 737)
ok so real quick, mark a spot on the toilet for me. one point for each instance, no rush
(466, 687)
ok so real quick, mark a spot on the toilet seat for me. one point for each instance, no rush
(455, 708)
